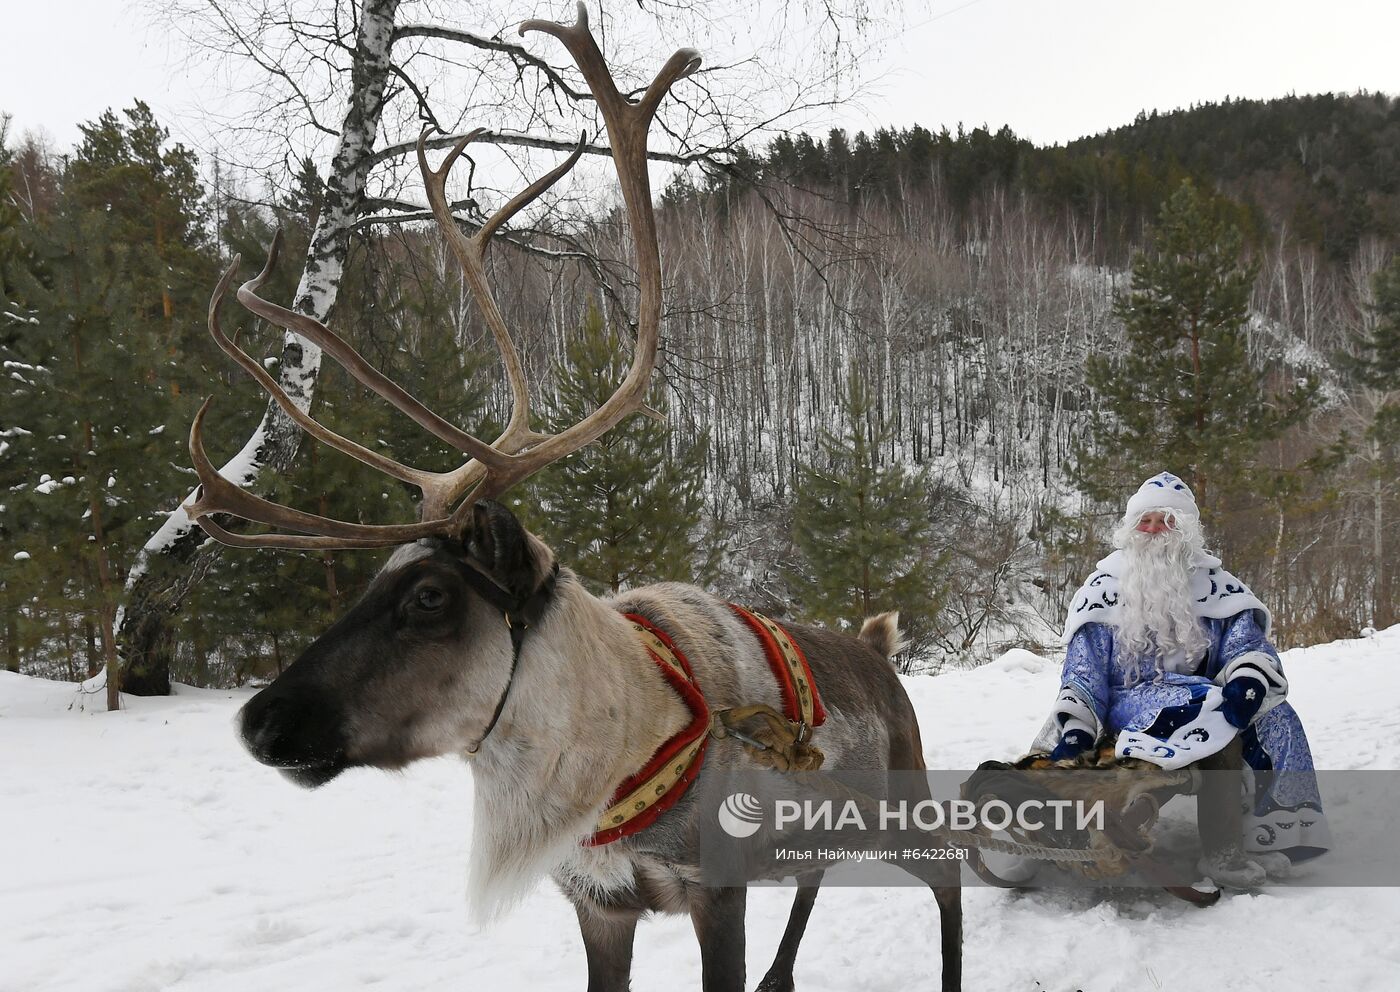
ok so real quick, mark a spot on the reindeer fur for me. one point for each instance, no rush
(587, 708)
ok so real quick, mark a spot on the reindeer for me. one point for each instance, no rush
(473, 640)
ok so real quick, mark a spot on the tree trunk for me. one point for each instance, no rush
(1384, 614)
(70, 657)
(178, 555)
(90, 635)
(105, 600)
(1274, 591)
(201, 659)
(1198, 480)
(11, 640)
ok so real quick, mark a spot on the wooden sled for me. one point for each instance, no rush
(1133, 792)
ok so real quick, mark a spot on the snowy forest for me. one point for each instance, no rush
(909, 369)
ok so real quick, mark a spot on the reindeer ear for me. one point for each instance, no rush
(503, 548)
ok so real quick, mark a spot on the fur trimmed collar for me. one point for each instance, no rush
(1215, 593)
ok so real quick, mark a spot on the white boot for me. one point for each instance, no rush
(1276, 863)
(1231, 868)
(1014, 868)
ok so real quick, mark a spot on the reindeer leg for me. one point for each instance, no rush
(718, 917)
(942, 878)
(779, 976)
(607, 941)
(949, 898)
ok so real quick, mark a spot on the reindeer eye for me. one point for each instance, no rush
(430, 598)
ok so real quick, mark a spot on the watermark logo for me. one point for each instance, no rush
(882, 827)
(741, 815)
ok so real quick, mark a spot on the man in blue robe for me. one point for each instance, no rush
(1168, 654)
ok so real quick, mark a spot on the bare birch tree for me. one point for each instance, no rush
(387, 73)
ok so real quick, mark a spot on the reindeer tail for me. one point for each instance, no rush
(882, 633)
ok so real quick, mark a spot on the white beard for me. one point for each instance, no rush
(1156, 619)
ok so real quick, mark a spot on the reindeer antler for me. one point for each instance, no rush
(520, 451)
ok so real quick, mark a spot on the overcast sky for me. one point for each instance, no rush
(1052, 69)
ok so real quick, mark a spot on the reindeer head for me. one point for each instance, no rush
(421, 665)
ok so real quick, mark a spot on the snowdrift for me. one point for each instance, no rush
(143, 850)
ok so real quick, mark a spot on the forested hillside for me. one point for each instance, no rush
(1322, 169)
(846, 315)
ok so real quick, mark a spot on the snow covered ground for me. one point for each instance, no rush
(143, 850)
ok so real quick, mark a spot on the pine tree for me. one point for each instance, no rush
(1377, 362)
(211, 640)
(11, 247)
(19, 578)
(114, 357)
(1376, 369)
(395, 311)
(151, 195)
(627, 509)
(863, 526)
(1182, 395)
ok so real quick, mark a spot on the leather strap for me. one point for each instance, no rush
(520, 615)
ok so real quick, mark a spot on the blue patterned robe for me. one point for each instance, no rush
(1285, 813)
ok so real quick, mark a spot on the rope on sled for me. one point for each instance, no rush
(968, 838)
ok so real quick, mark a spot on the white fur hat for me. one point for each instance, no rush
(1162, 492)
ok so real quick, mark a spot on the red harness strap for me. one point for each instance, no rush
(643, 797)
(801, 701)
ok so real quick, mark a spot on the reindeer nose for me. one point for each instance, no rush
(292, 727)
